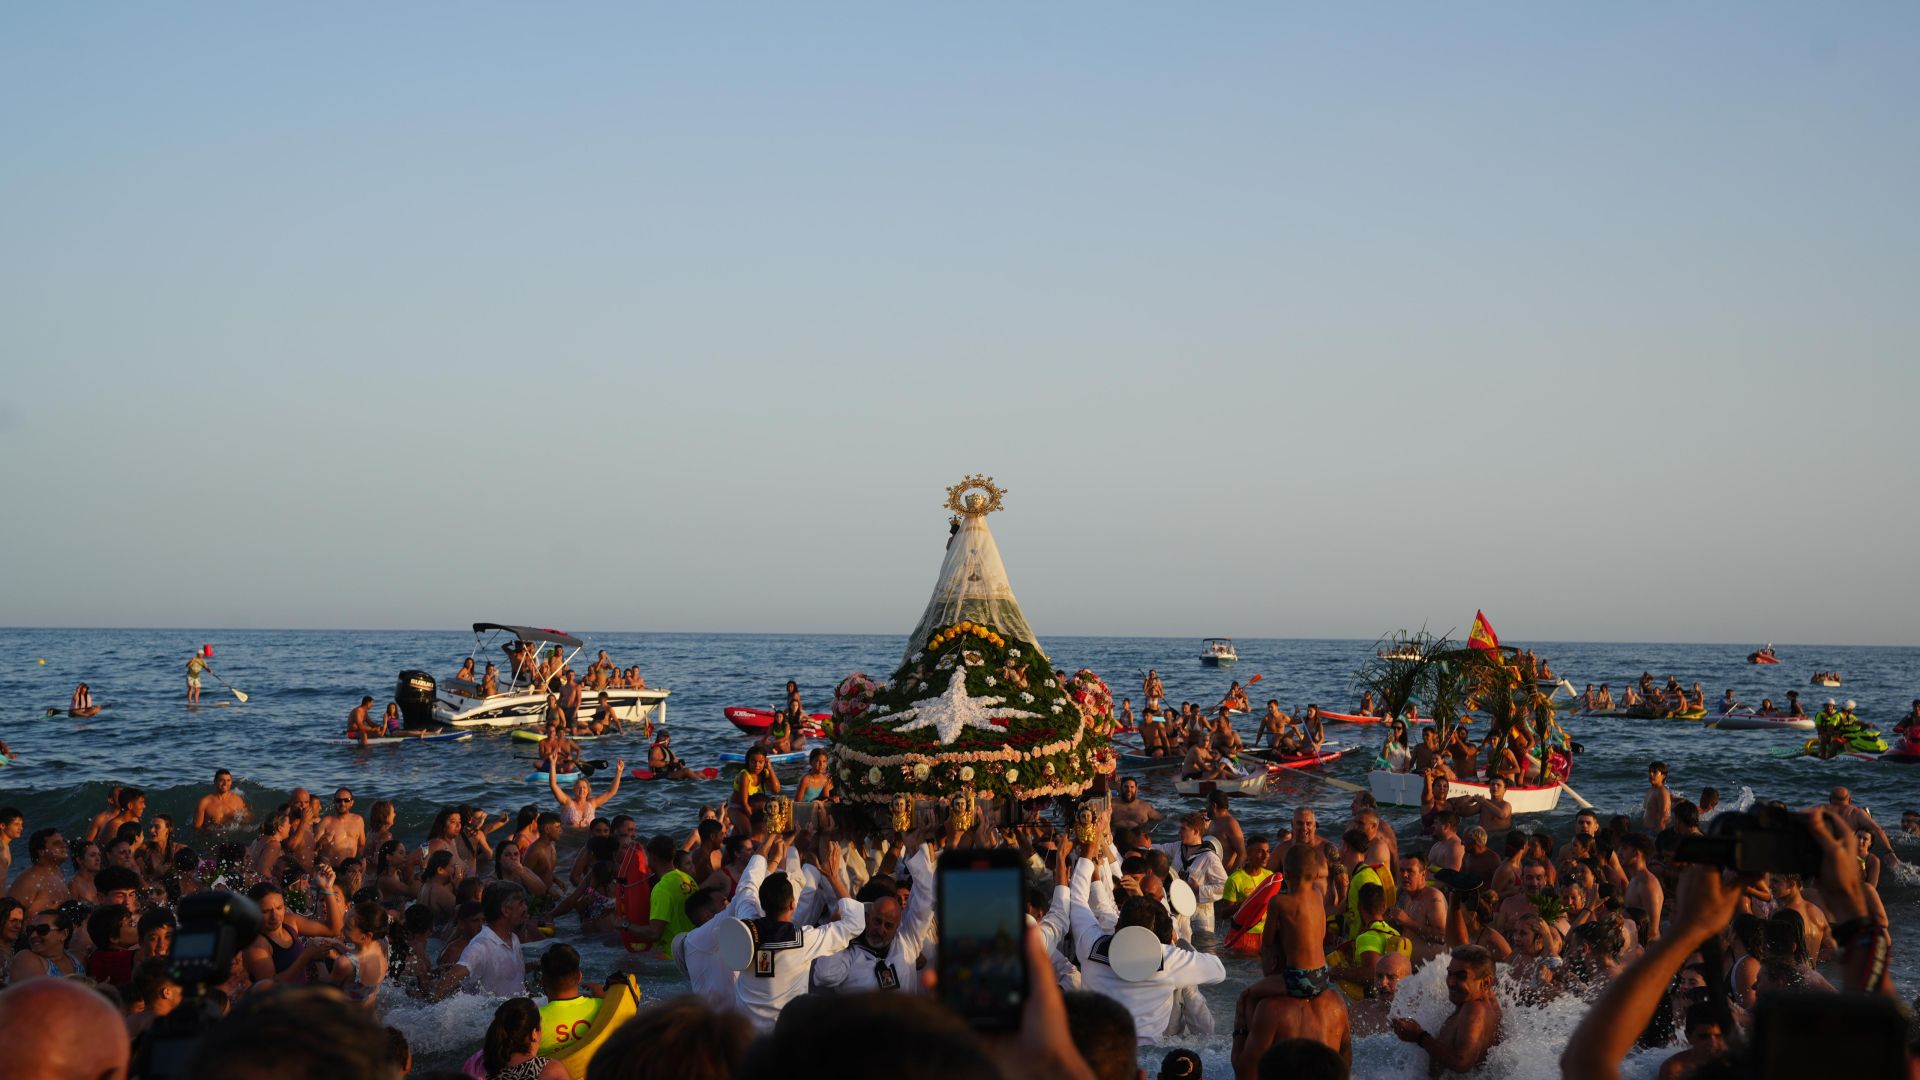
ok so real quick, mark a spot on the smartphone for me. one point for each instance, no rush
(1800, 1033)
(981, 897)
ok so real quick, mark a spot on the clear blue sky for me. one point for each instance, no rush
(681, 317)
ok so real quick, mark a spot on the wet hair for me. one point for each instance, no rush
(1786, 936)
(528, 815)
(547, 818)
(703, 901)
(370, 918)
(902, 1036)
(1104, 1032)
(1686, 813)
(438, 830)
(514, 1023)
(381, 814)
(1478, 960)
(1371, 900)
(129, 796)
(294, 1033)
(275, 818)
(9, 815)
(709, 830)
(697, 1041)
(604, 848)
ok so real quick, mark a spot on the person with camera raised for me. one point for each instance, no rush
(1706, 901)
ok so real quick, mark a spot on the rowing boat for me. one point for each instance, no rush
(1403, 789)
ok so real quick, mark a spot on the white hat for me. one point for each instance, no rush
(1849, 704)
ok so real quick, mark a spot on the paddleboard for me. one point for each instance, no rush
(528, 735)
(396, 740)
(541, 777)
(796, 757)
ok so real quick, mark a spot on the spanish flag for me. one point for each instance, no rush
(1482, 636)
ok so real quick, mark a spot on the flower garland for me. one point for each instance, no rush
(854, 696)
(964, 627)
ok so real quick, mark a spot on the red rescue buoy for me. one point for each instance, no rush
(206, 651)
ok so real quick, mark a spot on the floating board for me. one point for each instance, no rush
(541, 777)
(708, 773)
(1750, 722)
(398, 740)
(795, 757)
(757, 721)
(530, 736)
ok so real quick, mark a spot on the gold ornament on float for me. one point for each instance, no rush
(965, 498)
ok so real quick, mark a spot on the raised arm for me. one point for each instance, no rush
(619, 770)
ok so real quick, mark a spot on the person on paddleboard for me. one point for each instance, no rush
(360, 723)
(195, 665)
(664, 762)
(81, 705)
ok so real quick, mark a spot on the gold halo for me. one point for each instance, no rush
(977, 506)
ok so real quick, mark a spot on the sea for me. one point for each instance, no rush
(300, 685)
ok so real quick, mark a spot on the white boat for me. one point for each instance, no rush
(1234, 785)
(1747, 721)
(518, 701)
(1403, 789)
(1218, 652)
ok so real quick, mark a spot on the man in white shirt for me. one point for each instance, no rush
(783, 953)
(699, 949)
(1151, 1000)
(885, 955)
(492, 961)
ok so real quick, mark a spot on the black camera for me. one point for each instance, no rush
(214, 927)
(1770, 839)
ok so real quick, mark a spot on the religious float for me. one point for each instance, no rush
(975, 706)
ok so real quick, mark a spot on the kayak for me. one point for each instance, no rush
(1356, 718)
(396, 740)
(529, 735)
(795, 757)
(1300, 761)
(1641, 712)
(1148, 761)
(708, 773)
(1750, 722)
(757, 721)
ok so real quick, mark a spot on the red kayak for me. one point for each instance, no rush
(757, 721)
(1305, 761)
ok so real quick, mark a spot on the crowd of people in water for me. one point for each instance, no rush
(355, 912)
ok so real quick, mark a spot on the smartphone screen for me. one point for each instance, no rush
(983, 926)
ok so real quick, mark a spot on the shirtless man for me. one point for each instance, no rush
(557, 745)
(341, 832)
(221, 807)
(1224, 827)
(1422, 912)
(1273, 724)
(1130, 811)
(1426, 756)
(132, 807)
(1789, 895)
(360, 722)
(1474, 1027)
(605, 718)
(1480, 860)
(1447, 851)
(1532, 882)
(1496, 813)
(542, 854)
(40, 886)
(1659, 804)
(1203, 764)
(12, 824)
(1643, 888)
(1292, 1002)
(1856, 817)
(1306, 826)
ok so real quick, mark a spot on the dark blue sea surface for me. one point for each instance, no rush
(301, 685)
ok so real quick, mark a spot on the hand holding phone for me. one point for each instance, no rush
(983, 968)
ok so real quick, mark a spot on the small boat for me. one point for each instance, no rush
(1232, 785)
(1641, 712)
(396, 740)
(757, 721)
(1825, 678)
(425, 701)
(1218, 652)
(1747, 721)
(1403, 789)
(1763, 656)
(1356, 718)
(1400, 654)
(793, 757)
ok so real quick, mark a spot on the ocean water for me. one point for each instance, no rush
(301, 685)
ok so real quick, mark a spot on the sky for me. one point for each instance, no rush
(1273, 320)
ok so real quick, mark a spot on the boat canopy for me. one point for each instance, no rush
(532, 633)
(1216, 640)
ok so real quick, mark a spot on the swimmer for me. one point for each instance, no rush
(221, 807)
(576, 810)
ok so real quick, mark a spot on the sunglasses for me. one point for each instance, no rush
(39, 929)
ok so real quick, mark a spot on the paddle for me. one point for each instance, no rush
(228, 685)
(1341, 784)
(1568, 788)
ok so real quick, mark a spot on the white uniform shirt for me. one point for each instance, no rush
(711, 979)
(1151, 1000)
(856, 968)
(762, 997)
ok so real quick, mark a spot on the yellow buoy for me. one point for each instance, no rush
(42, 661)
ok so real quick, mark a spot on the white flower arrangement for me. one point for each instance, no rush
(1026, 697)
(921, 771)
(874, 774)
(916, 657)
(966, 773)
(1013, 776)
(1013, 652)
(1056, 707)
(991, 681)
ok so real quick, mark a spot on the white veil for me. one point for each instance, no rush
(973, 585)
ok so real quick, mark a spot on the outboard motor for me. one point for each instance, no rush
(415, 694)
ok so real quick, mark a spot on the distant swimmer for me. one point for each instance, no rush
(221, 807)
(82, 706)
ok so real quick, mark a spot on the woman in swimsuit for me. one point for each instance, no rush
(512, 869)
(444, 835)
(594, 900)
(393, 874)
(48, 936)
(436, 888)
(817, 784)
(362, 962)
(281, 953)
(576, 810)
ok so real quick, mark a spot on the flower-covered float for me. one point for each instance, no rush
(975, 704)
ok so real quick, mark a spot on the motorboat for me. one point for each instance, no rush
(1218, 652)
(519, 700)
(1763, 656)
(1404, 789)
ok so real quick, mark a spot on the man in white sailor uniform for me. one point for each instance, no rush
(885, 955)
(783, 954)
(1151, 1000)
